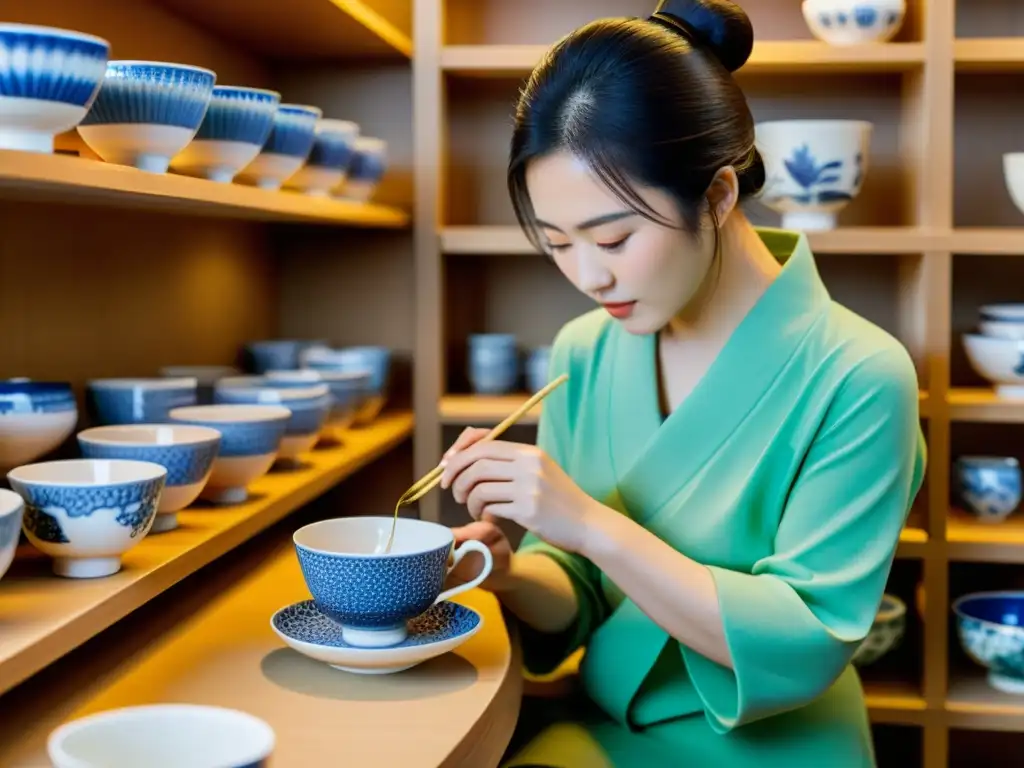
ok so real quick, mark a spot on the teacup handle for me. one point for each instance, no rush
(457, 555)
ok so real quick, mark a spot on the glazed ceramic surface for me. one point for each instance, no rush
(1002, 329)
(233, 131)
(373, 359)
(854, 22)
(990, 486)
(537, 363)
(1005, 313)
(1001, 361)
(251, 436)
(309, 408)
(139, 401)
(186, 452)
(286, 148)
(49, 78)
(442, 628)
(86, 513)
(206, 377)
(372, 593)
(36, 417)
(990, 626)
(328, 160)
(885, 634)
(12, 508)
(814, 168)
(369, 162)
(276, 355)
(163, 736)
(493, 363)
(1013, 175)
(147, 112)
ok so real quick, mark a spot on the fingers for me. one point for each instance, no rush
(469, 436)
(483, 531)
(484, 494)
(479, 472)
(498, 450)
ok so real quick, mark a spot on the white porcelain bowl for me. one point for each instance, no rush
(814, 168)
(854, 22)
(12, 507)
(163, 736)
(1013, 174)
(1002, 312)
(1002, 329)
(1001, 361)
(36, 417)
(86, 513)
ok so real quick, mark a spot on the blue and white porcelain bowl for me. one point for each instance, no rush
(273, 354)
(370, 591)
(349, 391)
(328, 160)
(86, 513)
(374, 360)
(854, 22)
(369, 163)
(990, 626)
(147, 112)
(989, 486)
(814, 168)
(1001, 361)
(537, 364)
(139, 401)
(36, 417)
(48, 80)
(186, 452)
(286, 149)
(12, 508)
(309, 408)
(250, 439)
(236, 124)
(886, 632)
(206, 377)
(163, 736)
(493, 363)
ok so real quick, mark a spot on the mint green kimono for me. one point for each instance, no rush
(789, 472)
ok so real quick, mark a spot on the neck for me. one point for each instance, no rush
(732, 287)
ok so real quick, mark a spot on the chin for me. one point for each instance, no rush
(639, 325)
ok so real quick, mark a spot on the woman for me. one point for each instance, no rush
(717, 492)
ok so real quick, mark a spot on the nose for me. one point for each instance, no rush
(594, 276)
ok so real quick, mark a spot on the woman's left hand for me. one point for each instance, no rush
(521, 483)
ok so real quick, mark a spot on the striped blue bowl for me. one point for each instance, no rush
(286, 148)
(369, 162)
(329, 159)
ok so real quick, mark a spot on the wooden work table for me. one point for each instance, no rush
(214, 645)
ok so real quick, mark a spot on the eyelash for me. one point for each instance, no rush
(608, 247)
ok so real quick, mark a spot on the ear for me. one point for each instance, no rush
(723, 193)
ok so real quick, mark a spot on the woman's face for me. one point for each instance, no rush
(641, 272)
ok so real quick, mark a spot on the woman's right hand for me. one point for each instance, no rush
(494, 539)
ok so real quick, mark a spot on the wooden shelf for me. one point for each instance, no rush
(896, 703)
(973, 704)
(44, 616)
(769, 57)
(510, 240)
(971, 540)
(980, 404)
(482, 410)
(300, 29)
(989, 54)
(63, 178)
(994, 241)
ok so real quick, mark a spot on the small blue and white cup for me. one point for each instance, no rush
(369, 162)
(493, 363)
(309, 408)
(990, 486)
(139, 401)
(183, 735)
(329, 159)
(12, 509)
(286, 149)
(370, 592)
(187, 452)
(36, 417)
(86, 513)
(250, 440)
(236, 124)
(537, 364)
(277, 354)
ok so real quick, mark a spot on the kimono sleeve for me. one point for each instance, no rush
(793, 623)
(545, 652)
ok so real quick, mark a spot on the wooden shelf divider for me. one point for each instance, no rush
(45, 616)
(989, 54)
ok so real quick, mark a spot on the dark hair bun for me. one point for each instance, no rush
(719, 25)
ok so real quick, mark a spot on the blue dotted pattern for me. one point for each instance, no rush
(137, 405)
(36, 397)
(236, 114)
(57, 68)
(10, 526)
(293, 132)
(445, 621)
(374, 592)
(185, 464)
(257, 438)
(137, 503)
(151, 93)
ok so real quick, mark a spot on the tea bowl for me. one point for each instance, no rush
(537, 363)
(990, 486)
(347, 389)
(309, 407)
(187, 452)
(206, 377)
(885, 634)
(369, 592)
(12, 509)
(375, 360)
(854, 22)
(328, 160)
(86, 513)
(1000, 361)
(369, 162)
(273, 354)
(139, 401)
(990, 627)
(49, 78)
(236, 124)
(493, 365)
(286, 148)
(36, 417)
(250, 439)
(146, 112)
(163, 736)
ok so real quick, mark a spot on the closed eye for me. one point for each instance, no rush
(613, 247)
(559, 246)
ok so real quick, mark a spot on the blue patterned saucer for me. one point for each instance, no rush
(440, 629)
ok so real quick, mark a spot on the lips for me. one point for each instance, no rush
(620, 309)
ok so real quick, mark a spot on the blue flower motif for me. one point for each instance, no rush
(865, 16)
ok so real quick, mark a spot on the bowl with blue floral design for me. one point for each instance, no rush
(854, 22)
(12, 507)
(36, 417)
(86, 513)
(309, 407)
(989, 486)
(990, 627)
(329, 159)
(187, 452)
(236, 124)
(813, 168)
(146, 112)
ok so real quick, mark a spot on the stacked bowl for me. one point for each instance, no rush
(997, 352)
(372, 360)
(308, 408)
(494, 364)
(285, 149)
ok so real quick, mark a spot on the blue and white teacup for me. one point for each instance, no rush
(990, 627)
(371, 593)
(369, 162)
(990, 486)
(183, 735)
(309, 408)
(537, 364)
(493, 363)
(187, 452)
(286, 148)
(328, 160)
(139, 401)
(36, 417)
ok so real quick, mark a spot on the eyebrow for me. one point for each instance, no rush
(597, 221)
